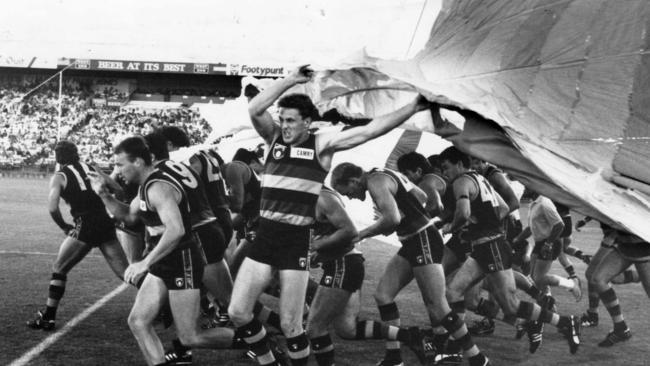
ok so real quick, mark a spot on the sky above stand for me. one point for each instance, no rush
(283, 31)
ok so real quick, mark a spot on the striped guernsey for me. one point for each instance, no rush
(293, 177)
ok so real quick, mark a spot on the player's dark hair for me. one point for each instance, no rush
(412, 161)
(157, 145)
(342, 173)
(176, 135)
(245, 156)
(134, 147)
(453, 155)
(435, 163)
(302, 103)
(66, 152)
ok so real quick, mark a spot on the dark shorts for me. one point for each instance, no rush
(568, 226)
(182, 269)
(135, 230)
(212, 241)
(425, 247)
(493, 256)
(281, 246)
(93, 229)
(248, 230)
(225, 221)
(460, 248)
(548, 253)
(346, 273)
(513, 228)
(518, 252)
(634, 252)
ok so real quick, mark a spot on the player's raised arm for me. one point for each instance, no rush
(355, 136)
(259, 105)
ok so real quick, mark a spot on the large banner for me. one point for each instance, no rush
(237, 69)
(145, 66)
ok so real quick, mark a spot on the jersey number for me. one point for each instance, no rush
(487, 195)
(213, 172)
(188, 178)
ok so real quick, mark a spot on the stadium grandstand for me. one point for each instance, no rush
(103, 101)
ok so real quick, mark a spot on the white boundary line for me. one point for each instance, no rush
(43, 253)
(39, 348)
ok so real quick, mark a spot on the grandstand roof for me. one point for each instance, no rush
(288, 31)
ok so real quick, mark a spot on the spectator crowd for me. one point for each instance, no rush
(29, 123)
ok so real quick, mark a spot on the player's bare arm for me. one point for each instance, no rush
(120, 211)
(382, 188)
(57, 184)
(164, 200)
(259, 105)
(329, 207)
(434, 202)
(236, 175)
(502, 186)
(343, 140)
(464, 191)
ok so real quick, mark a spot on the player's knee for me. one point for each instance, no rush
(238, 316)
(346, 331)
(454, 294)
(598, 281)
(383, 298)
(137, 322)
(188, 339)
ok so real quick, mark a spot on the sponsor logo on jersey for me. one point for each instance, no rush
(279, 151)
(302, 153)
(420, 259)
(328, 280)
(179, 282)
(302, 262)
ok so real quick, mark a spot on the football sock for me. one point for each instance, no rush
(298, 349)
(255, 336)
(323, 350)
(390, 314)
(610, 301)
(55, 293)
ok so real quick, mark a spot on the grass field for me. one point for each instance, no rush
(29, 241)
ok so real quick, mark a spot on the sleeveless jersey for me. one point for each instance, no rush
(78, 192)
(484, 220)
(414, 217)
(212, 177)
(326, 228)
(292, 181)
(150, 218)
(200, 210)
(252, 193)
